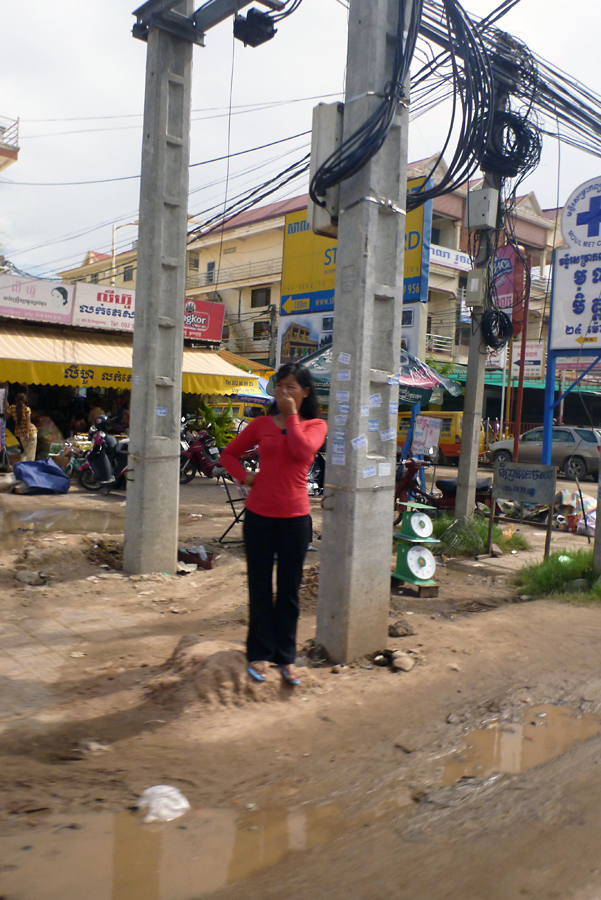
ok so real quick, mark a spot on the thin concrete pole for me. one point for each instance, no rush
(151, 517)
(354, 583)
(476, 370)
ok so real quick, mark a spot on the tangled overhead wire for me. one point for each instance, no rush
(471, 77)
(357, 149)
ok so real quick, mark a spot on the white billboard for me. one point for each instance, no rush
(576, 314)
(99, 306)
(22, 297)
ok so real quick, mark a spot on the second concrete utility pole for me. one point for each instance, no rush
(354, 583)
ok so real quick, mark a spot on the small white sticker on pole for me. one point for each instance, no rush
(343, 396)
(369, 471)
(160, 411)
(388, 435)
(344, 375)
(339, 421)
(338, 459)
(359, 442)
(344, 358)
(375, 400)
(384, 469)
(364, 411)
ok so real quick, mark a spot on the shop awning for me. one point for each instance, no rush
(243, 363)
(44, 356)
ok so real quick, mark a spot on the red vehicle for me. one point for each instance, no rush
(408, 487)
(199, 454)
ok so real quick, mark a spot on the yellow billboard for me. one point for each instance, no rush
(309, 265)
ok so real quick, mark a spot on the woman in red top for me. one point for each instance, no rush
(277, 519)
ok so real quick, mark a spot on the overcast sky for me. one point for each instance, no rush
(68, 64)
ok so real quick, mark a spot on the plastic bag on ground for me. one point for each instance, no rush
(589, 527)
(163, 803)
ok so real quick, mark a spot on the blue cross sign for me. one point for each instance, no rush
(592, 218)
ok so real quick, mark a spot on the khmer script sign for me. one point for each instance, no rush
(576, 312)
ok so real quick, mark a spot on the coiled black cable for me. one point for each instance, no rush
(514, 146)
(496, 328)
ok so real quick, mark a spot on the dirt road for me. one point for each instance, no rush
(358, 784)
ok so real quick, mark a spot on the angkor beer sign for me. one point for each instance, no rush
(203, 320)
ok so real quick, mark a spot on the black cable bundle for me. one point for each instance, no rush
(514, 146)
(356, 150)
(496, 328)
(472, 83)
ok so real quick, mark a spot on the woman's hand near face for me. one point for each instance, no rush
(286, 403)
(249, 479)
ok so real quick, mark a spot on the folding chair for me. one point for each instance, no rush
(236, 497)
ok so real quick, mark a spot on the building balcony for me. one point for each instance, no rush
(439, 343)
(249, 272)
(9, 142)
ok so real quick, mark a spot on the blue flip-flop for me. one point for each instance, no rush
(256, 675)
(288, 677)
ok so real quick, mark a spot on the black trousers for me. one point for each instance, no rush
(272, 626)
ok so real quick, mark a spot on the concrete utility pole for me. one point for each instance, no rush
(151, 516)
(354, 583)
(151, 520)
(467, 475)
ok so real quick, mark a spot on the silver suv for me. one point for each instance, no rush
(575, 451)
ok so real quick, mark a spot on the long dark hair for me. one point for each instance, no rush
(310, 405)
(21, 416)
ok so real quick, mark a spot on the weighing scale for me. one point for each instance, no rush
(415, 563)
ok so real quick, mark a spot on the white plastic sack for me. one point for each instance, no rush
(163, 802)
(591, 523)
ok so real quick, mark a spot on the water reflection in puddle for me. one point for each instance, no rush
(116, 857)
(543, 733)
(69, 521)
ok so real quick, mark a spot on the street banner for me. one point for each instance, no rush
(426, 435)
(99, 306)
(22, 297)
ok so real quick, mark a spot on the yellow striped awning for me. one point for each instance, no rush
(45, 356)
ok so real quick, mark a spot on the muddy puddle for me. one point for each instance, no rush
(117, 857)
(543, 733)
(69, 521)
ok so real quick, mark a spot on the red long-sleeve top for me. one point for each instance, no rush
(280, 488)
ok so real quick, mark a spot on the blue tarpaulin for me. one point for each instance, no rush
(43, 476)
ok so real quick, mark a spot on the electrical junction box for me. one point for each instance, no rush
(481, 209)
(326, 137)
(475, 290)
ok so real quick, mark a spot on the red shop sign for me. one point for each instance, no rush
(203, 320)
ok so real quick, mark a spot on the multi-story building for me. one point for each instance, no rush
(9, 142)
(239, 264)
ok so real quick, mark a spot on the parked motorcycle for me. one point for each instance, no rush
(408, 487)
(200, 455)
(105, 464)
(316, 474)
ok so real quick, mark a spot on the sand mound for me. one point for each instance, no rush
(215, 673)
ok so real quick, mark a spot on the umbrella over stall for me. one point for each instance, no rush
(416, 379)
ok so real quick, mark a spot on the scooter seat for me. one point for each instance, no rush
(448, 486)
